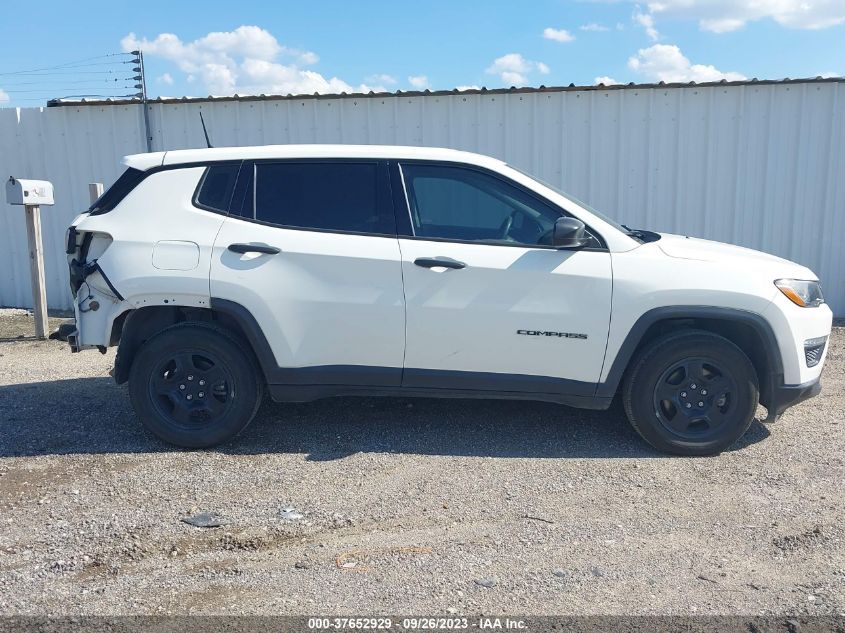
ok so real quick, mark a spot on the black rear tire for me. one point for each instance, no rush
(194, 385)
(691, 393)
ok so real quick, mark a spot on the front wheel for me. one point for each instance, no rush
(194, 386)
(691, 393)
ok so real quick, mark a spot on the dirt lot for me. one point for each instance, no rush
(408, 506)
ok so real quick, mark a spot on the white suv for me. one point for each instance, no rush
(328, 270)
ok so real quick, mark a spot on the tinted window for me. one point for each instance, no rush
(118, 191)
(247, 206)
(217, 185)
(333, 196)
(466, 204)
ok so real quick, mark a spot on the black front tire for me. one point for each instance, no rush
(194, 385)
(691, 393)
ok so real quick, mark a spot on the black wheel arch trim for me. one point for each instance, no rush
(134, 327)
(252, 331)
(669, 313)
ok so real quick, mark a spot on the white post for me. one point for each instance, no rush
(32, 195)
(95, 190)
(36, 269)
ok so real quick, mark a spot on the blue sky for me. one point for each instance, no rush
(250, 46)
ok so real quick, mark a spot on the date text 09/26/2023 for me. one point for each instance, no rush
(417, 624)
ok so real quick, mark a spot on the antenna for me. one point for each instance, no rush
(204, 131)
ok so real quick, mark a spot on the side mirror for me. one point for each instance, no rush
(569, 233)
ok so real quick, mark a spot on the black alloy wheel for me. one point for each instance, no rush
(690, 392)
(195, 384)
(192, 388)
(694, 397)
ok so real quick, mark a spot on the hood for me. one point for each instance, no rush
(682, 247)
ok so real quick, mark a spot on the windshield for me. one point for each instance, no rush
(598, 214)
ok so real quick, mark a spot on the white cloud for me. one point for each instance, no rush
(420, 82)
(166, 79)
(513, 69)
(646, 20)
(4, 96)
(721, 25)
(665, 62)
(828, 74)
(604, 79)
(721, 16)
(220, 79)
(592, 26)
(244, 41)
(258, 75)
(381, 79)
(462, 88)
(243, 61)
(307, 58)
(558, 35)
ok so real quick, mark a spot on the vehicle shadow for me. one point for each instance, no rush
(94, 416)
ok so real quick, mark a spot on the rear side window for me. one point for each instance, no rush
(118, 191)
(216, 188)
(338, 196)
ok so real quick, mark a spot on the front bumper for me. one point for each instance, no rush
(785, 396)
(794, 327)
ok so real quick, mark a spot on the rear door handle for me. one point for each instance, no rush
(434, 262)
(254, 248)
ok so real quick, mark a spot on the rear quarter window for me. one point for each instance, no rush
(216, 187)
(118, 191)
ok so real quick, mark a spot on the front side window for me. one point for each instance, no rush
(465, 204)
(333, 196)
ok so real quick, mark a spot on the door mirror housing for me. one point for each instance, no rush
(569, 233)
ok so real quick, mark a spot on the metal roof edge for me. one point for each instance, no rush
(449, 93)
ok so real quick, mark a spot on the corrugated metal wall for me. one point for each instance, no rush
(757, 165)
(70, 147)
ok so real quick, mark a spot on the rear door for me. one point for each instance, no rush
(311, 252)
(490, 303)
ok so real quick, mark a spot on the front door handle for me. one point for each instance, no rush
(254, 248)
(434, 262)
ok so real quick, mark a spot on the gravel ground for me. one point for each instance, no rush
(406, 506)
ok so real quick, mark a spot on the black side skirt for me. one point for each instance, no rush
(307, 393)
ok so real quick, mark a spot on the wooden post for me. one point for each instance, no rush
(95, 190)
(36, 269)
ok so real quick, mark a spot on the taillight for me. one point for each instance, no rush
(70, 241)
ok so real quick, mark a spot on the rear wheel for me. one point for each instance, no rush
(691, 393)
(194, 386)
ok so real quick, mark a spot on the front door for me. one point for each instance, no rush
(314, 257)
(490, 303)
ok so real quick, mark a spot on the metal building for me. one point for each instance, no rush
(755, 163)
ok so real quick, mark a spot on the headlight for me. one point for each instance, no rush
(807, 294)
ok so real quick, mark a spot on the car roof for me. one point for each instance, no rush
(263, 152)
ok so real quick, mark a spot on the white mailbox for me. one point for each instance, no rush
(29, 192)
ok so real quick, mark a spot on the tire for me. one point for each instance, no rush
(691, 393)
(193, 385)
